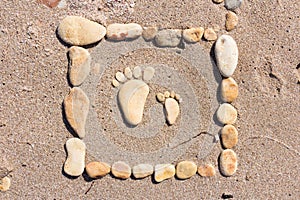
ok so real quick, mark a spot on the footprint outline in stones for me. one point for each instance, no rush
(133, 93)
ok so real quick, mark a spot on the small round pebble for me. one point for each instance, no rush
(160, 97)
(121, 77)
(231, 21)
(229, 136)
(5, 184)
(227, 114)
(149, 33)
(121, 170)
(97, 169)
(228, 162)
(207, 170)
(210, 34)
(193, 34)
(186, 169)
(168, 38)
(167, 94)
(163, 172)
(115, 83)
(142, 170)
(232, 4)
(229, 90)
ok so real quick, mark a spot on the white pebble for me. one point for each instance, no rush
(124, 31)
(142, 170)
(227, 114)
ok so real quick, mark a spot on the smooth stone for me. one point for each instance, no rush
(128, 72)
(172, 94)
(228, 162)
(186, 169)
(210, 34)
(97, 169)
(142, 170)
(168, 38)
(76, 106)
(148, 73)
(206, 170)
(115, 83)
(74, 165)
(137, 72)
(50, 3)
(232, 4)
(79, 31)
(160, 97)
(218, 1)
(178, 98)
(193, 34)
(163, 172)
(229, 136)
(149, 33)
(231, 21)
(167, 94)
(132, 98)
(121, 77)
(229, 90)
(79, 65)
(124, 31)
(226, 53)
(172, 110)
(5, 184)
(121, 170)
(227, 114)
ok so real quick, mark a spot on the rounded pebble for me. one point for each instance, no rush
(227, 114)
(228, 162)
(168, 38)
(229, 90)
(149, 33)
(232, 4)
(121, 170)
(229, 136)
(218, 1)
(121, 77)
(97, 169)
(207, 170)
(124, 31)
(163, 172)
(231, 21)
(5, 184)
(160, 97)
(186, 169)
(193, 34)
(210, 34)
(142, 170)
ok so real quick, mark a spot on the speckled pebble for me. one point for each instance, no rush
(231, 21)
(232, 4)
(168, 38)
(227, 114)
(97, 169)
(210, 34)
(149, 33)
(207, 170)
(193, 34)
(228, 162)
(186, 169)
(121, 170)
(229, 90)
(124, 31)
(229, 136)
(5, 184)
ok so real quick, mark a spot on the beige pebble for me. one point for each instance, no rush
(121, 170)
(229, 136)
(137, 72)
(229, 90)
(186, 169)
(218, 1)
(231, 21)
(168, 38)
(167, 94)
(79, 31)
(121, 77)
(210, 34)
(227, 114)
(149, 33)
(79, 65)
(142, 170)
(206, 170)
(172, 94)
(172, 110)
(160, 97)
(163, 172)
(115, 83)
(74, 165)
(128, 72)
(76, 106)
(97, 169)
(177, 97)
(193, 34)
(5, 184)
(124, 31)
(228, 162)
(148, 73)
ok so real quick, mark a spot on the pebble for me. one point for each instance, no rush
(226, 53)
(97, 169)
(229, 90)
(232, 4)
(79, 31)
(231, 21)
(149, 33)
(210, 34)
(172, 110)
(79, 65)
(142, 170)
(186, 169)
(124, 31)
(167, 94)
(178, 98)
(5, 184)
(137, 72)
(76, 106)
(193, 34)
(163, 172)
(207, 170)
(50, 3)
(218, 1)
(160, 97)
(121, 77)
(115, 83)
(229, 136)
(74, 165)
(148, 73)
(121, 170)
(172, 94)
(227, 114)
(228, 162)
(168, 38)
(128, 72)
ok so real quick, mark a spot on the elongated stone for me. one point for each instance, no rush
(229, 90)
(79, 65)
(163, 172)
(142, 170)
(206, 170)
(226, 114)
(229, 136)
(121, 170)
(186, 169)
(76, 106)
(193, 34)
(226, 53)
(5, 184)
(231, 21)
(97, 169)
(228, 162)
(168, 38)
(74, 165)
(79, 31)
(124, 31)
(172, 110)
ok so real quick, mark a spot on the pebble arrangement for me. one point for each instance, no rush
(77, 31)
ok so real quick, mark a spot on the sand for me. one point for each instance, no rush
(33, 84)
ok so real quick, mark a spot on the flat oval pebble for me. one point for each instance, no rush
(160, 97)
(76, 106)
(79, 31)
(172, 110)
(193, 34)
(226, 114)
(121, 170)
(228, 162)
(226, 53)
(210, 34)
(142, 170)
(218, 1)
(168, 38)
(229, 90)
(149, 33)
(186, 169)
(207, 170)
(5, 184)
(231, 21)
(163, 172)
(97, 169)
(124, 31)
(229, 136)
(74, 165)
(148, 73)
(232, 4)
(79, 65)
